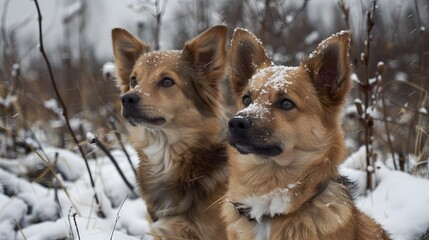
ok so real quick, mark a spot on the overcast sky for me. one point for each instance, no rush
(103, 16)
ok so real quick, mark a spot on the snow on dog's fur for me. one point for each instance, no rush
(286, 144)
(171, 101)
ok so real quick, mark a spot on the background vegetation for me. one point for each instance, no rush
(387, 111)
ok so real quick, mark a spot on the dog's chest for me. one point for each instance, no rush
(263, 230)
(276, 202)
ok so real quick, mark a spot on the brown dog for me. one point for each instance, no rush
(287, 144)
(171, 100)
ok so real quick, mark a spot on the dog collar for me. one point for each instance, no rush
(244, 210)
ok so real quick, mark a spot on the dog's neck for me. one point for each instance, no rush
(159, 148)
(283, 191)
(162, 146)
(276, 202)
(175, 157)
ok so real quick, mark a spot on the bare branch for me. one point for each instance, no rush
(117, 216)
(74, 217)
(63, 105)
(118, 137)
(112, 159)
(366, 88)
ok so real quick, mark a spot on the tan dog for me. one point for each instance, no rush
(171, 100)
(287, 144)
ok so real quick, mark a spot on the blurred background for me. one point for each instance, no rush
(390, 56)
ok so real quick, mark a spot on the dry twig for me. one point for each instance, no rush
(119, 138)
(117, 217)
(75, 222)
(63, 105)
(366, 88)
(113, 160)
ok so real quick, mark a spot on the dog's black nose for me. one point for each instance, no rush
(237, 124)
(130, 100)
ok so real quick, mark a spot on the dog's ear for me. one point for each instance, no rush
(207, 54)
(126, 50)
(329, 68)
(247, 56)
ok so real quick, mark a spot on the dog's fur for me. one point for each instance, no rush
(287, 144)
(171, 100)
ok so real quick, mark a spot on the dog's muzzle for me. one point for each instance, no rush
(132, 111)
(247, 139)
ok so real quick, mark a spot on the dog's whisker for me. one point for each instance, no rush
(223, 133)
(208, 64)
(215, 202)
(195, 178)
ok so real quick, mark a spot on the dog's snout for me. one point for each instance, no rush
(130, 100)
(239, 124)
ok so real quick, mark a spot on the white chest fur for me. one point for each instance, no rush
(271, 204)
(263, 230)
(157, 149)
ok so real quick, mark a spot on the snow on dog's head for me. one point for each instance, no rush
(289, 112)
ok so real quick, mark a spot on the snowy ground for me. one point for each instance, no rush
(29, 210)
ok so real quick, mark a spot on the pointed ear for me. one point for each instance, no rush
(329, 68)
(126, 50)
(207, 54)
(247, 56)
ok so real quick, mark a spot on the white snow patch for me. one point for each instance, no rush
(90, 137)
(279, 79)
(11, 210)
(256, 109)
(401, 76)
(312, 37)
(68, 164)
(8, 101)
(399, 202)
(350, 110)
(108, 70)
(15, 69)
(423, 110)
(52, 219)
(398, 199)
(354, 78)
(52, 105)
(7, 229)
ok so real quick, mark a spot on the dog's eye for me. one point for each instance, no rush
(166, 82)
(133, 82)
(246, 100)
(286, 104)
